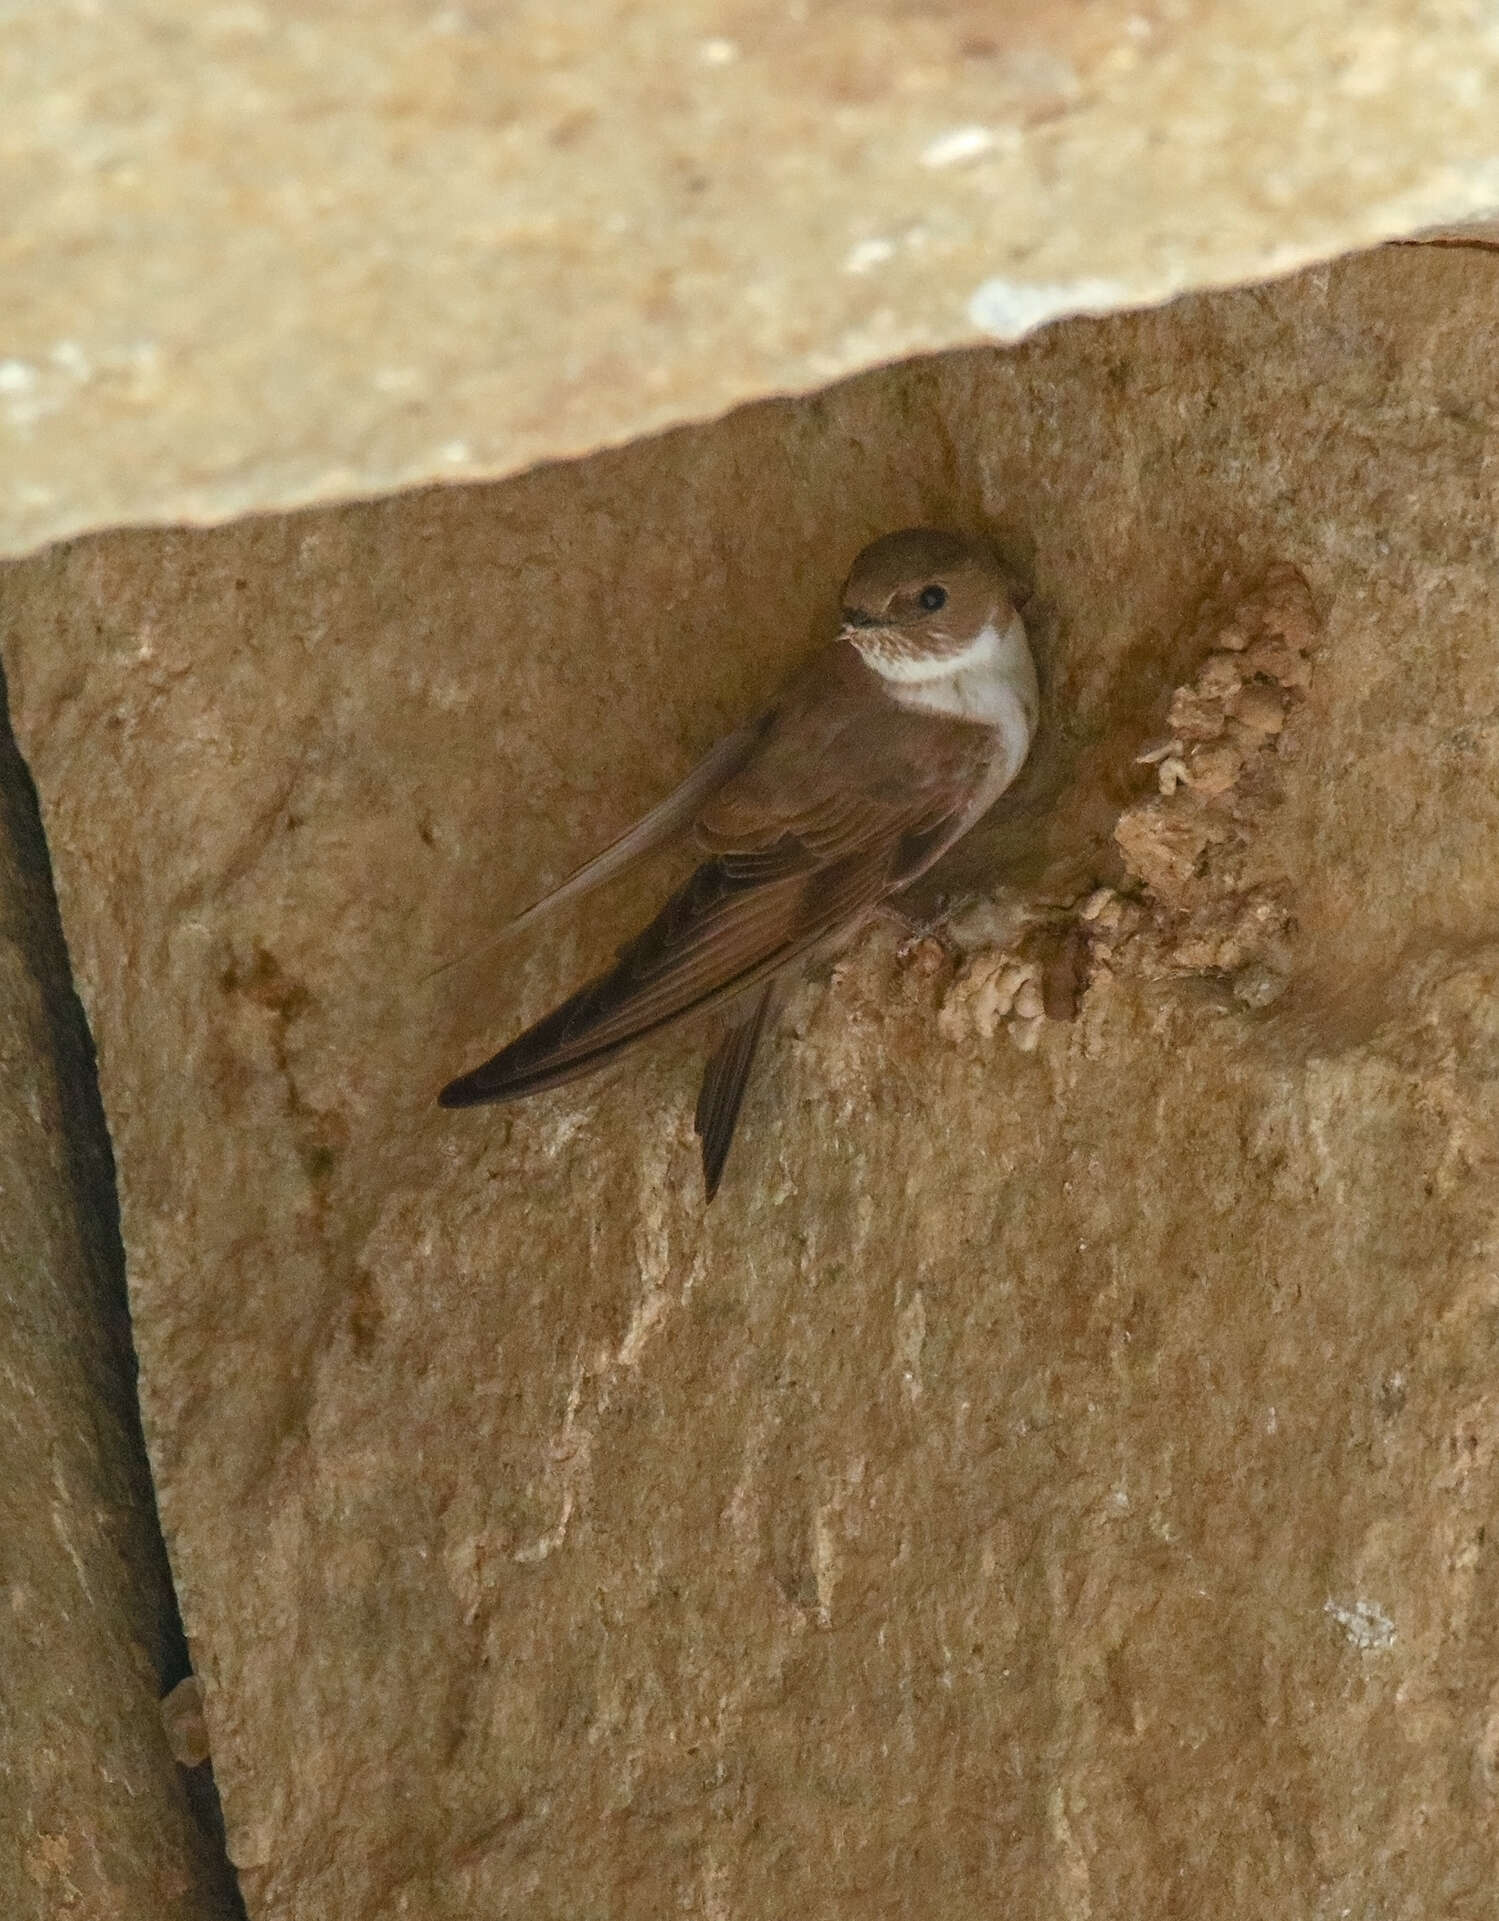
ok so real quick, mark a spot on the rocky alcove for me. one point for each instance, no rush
(1057, 1475)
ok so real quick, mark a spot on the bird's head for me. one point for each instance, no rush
(917, 601)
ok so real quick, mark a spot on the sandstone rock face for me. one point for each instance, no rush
(269, 252)
(1045, 1482)
(94, 1818)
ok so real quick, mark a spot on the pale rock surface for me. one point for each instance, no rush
(264, 252)
(95, 1818)
(1052, 1483)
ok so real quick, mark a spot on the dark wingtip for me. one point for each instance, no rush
(468, 1090)
(713, 1165)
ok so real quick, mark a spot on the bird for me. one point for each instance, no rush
(884, 748)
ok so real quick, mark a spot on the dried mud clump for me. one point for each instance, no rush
(995, 990)
(1190, 849)
(1197, 895)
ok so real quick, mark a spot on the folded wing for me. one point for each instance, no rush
(665, 821)
(842, 800)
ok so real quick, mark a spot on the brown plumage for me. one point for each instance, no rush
(875, 757)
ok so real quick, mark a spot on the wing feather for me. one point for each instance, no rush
(841, 798)
(711, 942)
(666, 820)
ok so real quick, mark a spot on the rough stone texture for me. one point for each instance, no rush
(1045, 1484)
(261, 254)
(1473, 233)
(94, 1815)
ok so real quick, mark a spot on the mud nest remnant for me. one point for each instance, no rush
(1198, 893)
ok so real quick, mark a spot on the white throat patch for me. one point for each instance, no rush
(992, 681)
(910, 670)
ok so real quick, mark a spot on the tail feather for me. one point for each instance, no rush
(724, 1082)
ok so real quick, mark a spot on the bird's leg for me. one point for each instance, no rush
(915, 926)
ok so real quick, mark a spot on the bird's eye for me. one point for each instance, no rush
(933, 597)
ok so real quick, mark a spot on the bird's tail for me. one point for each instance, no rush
(724, 1081)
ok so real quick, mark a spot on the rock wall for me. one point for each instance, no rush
(278, 251)
(1053, 1478)
(95, 1818)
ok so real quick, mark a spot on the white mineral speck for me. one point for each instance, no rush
(1368, 1627)
(960, 144)
(867, 254)
(1007, 309)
